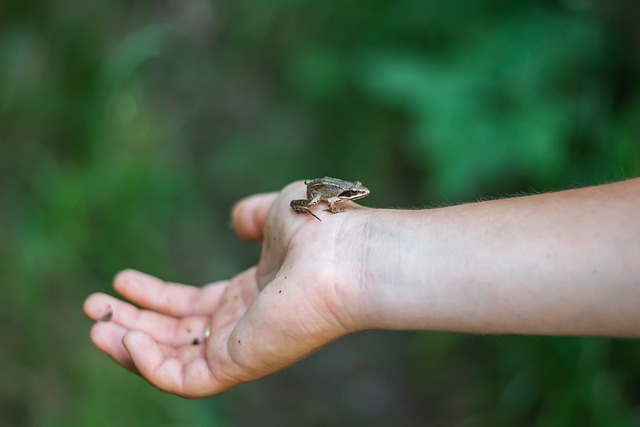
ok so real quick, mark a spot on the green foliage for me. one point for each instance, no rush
(503, 106)
(127, 130)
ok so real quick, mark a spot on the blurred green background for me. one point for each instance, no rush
(128, 129)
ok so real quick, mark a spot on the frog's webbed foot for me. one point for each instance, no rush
(312, 214)
(335, 210)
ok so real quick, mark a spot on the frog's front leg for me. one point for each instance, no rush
(303, 205)
(332, 204)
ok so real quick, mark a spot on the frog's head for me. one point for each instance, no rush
(355, 192)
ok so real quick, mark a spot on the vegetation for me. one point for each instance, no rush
(128, 129)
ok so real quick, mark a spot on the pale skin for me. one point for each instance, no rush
(564, 263)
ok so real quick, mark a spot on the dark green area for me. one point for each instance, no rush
(128, 129)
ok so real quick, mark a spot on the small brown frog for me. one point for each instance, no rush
(332, 190)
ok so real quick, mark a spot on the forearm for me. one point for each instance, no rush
(558, 263)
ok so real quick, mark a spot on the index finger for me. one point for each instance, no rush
(173, 299)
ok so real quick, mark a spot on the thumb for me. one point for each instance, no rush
(249, 215)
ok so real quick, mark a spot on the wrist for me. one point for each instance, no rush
(378, 260)
(414, 270)
(561, 263)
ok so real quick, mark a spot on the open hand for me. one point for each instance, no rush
(200, 341)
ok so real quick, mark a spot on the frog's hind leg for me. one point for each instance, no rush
(299, 206)
(303, 205)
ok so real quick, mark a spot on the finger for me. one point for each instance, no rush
(191, 380)
(165, 329)
(108, 338)
(249, 215)
(169, 298)
(98, 307)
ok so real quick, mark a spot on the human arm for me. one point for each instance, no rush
(564, 263)
(560, 263)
